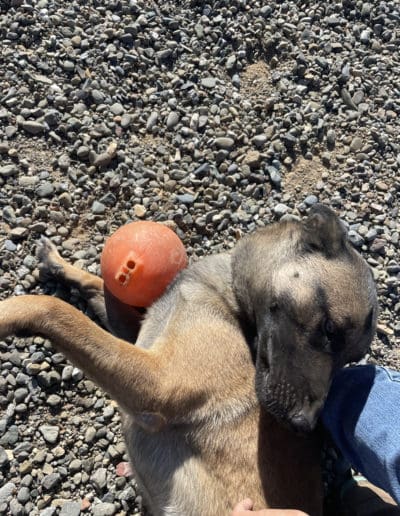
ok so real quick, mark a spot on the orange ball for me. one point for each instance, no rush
(140, 260)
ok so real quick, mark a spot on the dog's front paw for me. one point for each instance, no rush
(50, 262)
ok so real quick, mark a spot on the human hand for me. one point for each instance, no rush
(245, 508)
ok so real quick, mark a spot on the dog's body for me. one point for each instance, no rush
(197, 437)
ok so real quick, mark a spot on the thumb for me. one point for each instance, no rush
(244, 505)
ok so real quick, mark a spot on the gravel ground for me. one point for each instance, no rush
(213, 118)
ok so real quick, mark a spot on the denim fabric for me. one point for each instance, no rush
(362, 413)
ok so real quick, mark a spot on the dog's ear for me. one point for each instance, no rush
(323, 231)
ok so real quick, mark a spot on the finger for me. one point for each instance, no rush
(244, 505)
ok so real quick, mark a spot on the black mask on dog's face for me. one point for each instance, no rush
(312, 303)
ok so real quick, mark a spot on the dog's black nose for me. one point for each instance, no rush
(301, 424)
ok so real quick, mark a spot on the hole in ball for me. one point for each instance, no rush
(122, 278)
(131, 264)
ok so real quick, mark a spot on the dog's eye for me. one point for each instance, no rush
(335, 338)
(329, 327)
(274, 307)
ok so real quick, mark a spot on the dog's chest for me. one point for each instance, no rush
(167, 470)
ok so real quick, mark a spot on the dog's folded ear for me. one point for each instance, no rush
(324, 232)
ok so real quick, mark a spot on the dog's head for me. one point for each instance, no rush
(311, 300)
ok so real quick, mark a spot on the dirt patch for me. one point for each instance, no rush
(38, 157)
(256, 80)
(304, 176)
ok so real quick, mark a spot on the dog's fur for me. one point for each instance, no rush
(294, 296)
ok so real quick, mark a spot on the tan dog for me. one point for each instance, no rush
(196, 435)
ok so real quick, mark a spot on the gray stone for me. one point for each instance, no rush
(356, 144)
(50, 482)
(103, 509)
(50, 433)
(259, 140)
(185, 199)
(45, 189)
(18, 233)
(98, 208)
(152, 120)
(4, 460)
(99, 479)
(224, 142)
(209, 82)
(7, 491)
(8, 170)
(280, 209)
(173, 119)
(33, 127)
(117, 108)
(70, 509)
(310, 200)
(23, 495)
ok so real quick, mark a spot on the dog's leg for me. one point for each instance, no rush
(141, 381)
(121, 319)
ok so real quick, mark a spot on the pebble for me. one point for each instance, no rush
(173, 119)
(8, 170)
(32, 127)
(50, 433)
(103, 509)
(98, 208)
(225, 142)
(7, 491)
(70, 509)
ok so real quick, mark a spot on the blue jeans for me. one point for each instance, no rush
(362, 413)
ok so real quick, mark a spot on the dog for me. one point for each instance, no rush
(222, 391)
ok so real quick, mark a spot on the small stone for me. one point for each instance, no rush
(225, 143)
(32, 127)
(152, 120)
(70, 509)
(126, 121)
(331, 138)
(7, 491)
(97, 96)
(64, 162)
(75, 465)
(98, 208)
(90, 434)
(8, 170)
(289, 140)
(51, 481)
(310, 200)
(103, 509)
(99, 479)
(259, 140)
(209, 82)
(355, 238)
(23, 495)
(280, 209)
(139, 210)
(45, 190)
(274, 177)
(65, 200)
(4, 459)
(18, 233)
(231, 62)
(102, 160)
(54, 400)
(173, 119)
(252, 159)
(185, 199)
(356, 144)
(50, 433)
(117, 108)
